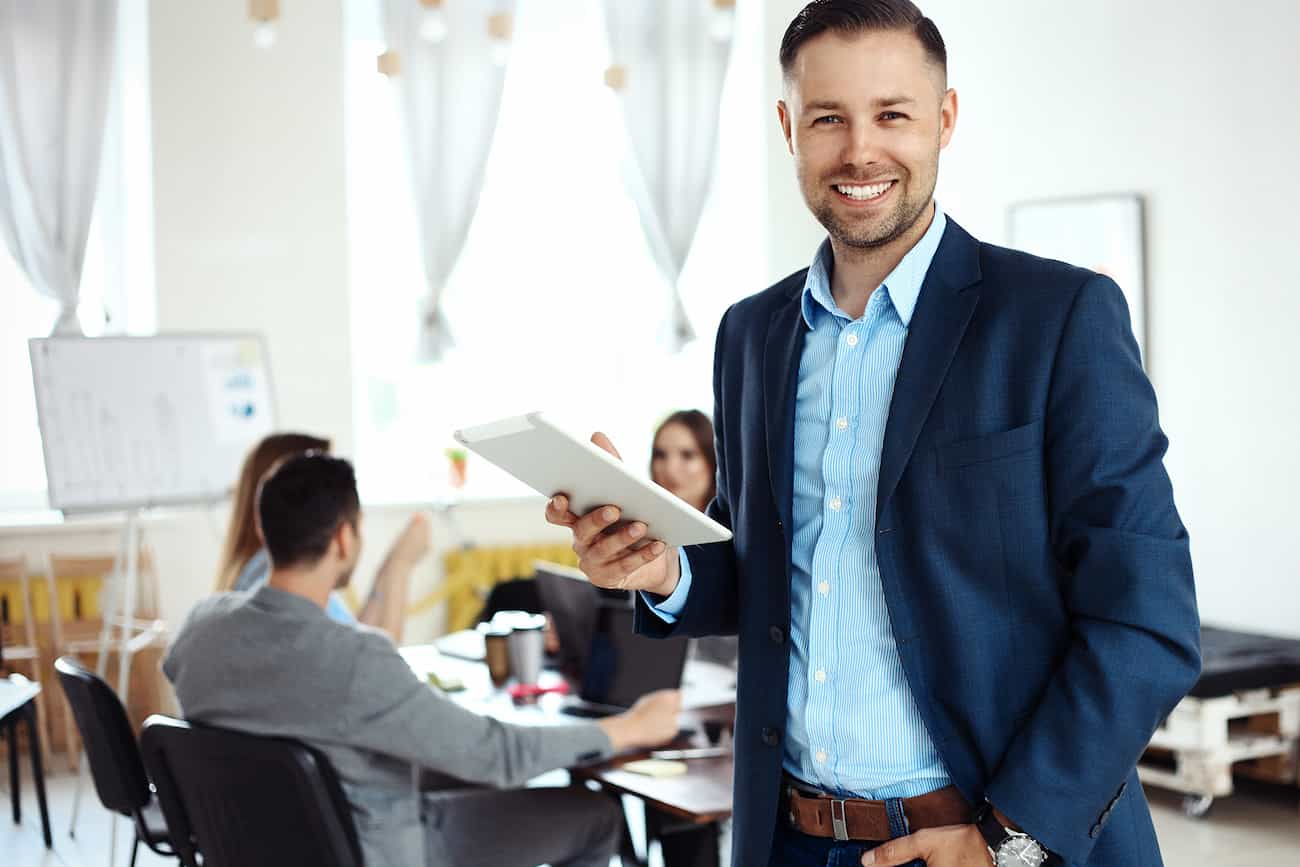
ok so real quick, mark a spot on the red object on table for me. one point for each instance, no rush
(532, 690)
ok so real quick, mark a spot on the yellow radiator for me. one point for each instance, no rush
(78, 597)
(471, 573)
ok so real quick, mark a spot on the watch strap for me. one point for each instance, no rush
(989, 826)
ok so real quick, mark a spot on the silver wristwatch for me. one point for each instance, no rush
(1009, 848)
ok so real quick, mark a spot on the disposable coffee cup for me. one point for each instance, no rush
(496, 644)
(527, 645)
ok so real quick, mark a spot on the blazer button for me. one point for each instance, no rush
(771, 737)
(777, 634)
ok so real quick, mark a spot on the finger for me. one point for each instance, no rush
(896, 852)
(615, 542)
(587, 528)
(605, 443)
(557, 511)
(624, 567)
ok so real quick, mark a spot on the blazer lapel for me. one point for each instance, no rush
(780, 377)
(948, 298)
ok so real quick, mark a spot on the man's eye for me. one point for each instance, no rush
(828, 118)
(892, 115)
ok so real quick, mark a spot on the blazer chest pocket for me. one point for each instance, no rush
(992, 447)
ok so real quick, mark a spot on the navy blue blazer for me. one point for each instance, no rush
(1037, 574)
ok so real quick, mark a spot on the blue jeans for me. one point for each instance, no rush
(791, 848)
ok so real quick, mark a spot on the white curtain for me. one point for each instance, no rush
(669, 62)
(56, 68)
(450, 94)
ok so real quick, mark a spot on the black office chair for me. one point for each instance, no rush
(115, 764)
(517, 594)
(248, 801)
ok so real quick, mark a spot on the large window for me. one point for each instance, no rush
(28, 314)
(556, 302)
(116, 281)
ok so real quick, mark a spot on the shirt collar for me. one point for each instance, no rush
(902, 287)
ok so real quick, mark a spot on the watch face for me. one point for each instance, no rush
(1020, 851)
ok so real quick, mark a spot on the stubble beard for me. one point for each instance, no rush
(889, 228)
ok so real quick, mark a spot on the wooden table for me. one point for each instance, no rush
(686, 809)
(17, 705)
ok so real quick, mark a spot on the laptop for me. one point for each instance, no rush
(600, 653)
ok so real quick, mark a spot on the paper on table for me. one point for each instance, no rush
(656, 768)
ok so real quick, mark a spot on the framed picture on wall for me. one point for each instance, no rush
(1105, 234)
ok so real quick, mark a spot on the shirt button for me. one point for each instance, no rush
(852, 339)
(824, 588)
(836, 504)
(821, 757)
(841, 423)
(820, 675)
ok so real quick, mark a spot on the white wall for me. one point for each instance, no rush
(249, 200)
(1191, 104)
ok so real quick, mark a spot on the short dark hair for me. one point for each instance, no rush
(859, 16)
(302, 502)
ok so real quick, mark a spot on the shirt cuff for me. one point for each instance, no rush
(671, 608)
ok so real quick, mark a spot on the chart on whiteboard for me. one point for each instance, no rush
(130, 422)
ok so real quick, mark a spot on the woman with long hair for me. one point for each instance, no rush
(245, 564)
(682, 459)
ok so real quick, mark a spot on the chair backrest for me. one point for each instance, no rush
(247, 800)
(114, 755)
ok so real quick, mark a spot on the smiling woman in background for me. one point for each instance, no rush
(245, 564)
(683, 460)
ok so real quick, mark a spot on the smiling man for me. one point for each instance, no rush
(963, 593)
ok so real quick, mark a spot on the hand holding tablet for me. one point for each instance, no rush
(623, 525)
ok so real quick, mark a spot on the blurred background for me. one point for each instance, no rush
(564, 203)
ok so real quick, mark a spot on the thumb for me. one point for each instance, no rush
(605, 443)
(901, 850)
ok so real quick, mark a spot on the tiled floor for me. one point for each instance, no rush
(1258, 827)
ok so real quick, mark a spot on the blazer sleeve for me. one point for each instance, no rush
(713, 602)
(1127, 582)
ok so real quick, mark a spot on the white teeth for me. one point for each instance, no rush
(864, 193)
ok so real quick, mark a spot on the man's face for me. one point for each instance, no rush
(865, 117)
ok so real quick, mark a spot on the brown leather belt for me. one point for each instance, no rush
(823, 815)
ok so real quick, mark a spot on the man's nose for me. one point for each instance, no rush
(861, 147)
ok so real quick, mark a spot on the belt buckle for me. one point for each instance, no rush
(837, 819)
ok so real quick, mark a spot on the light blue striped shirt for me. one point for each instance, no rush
(852, 725)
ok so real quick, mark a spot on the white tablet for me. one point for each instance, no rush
(551, 461)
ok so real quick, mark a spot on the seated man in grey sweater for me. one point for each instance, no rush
(270, 662)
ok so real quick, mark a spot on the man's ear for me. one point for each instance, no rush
(947, 118)
(257, 527)
(783, 115)
(343, 540)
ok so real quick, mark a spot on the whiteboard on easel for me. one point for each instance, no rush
(134, 422)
